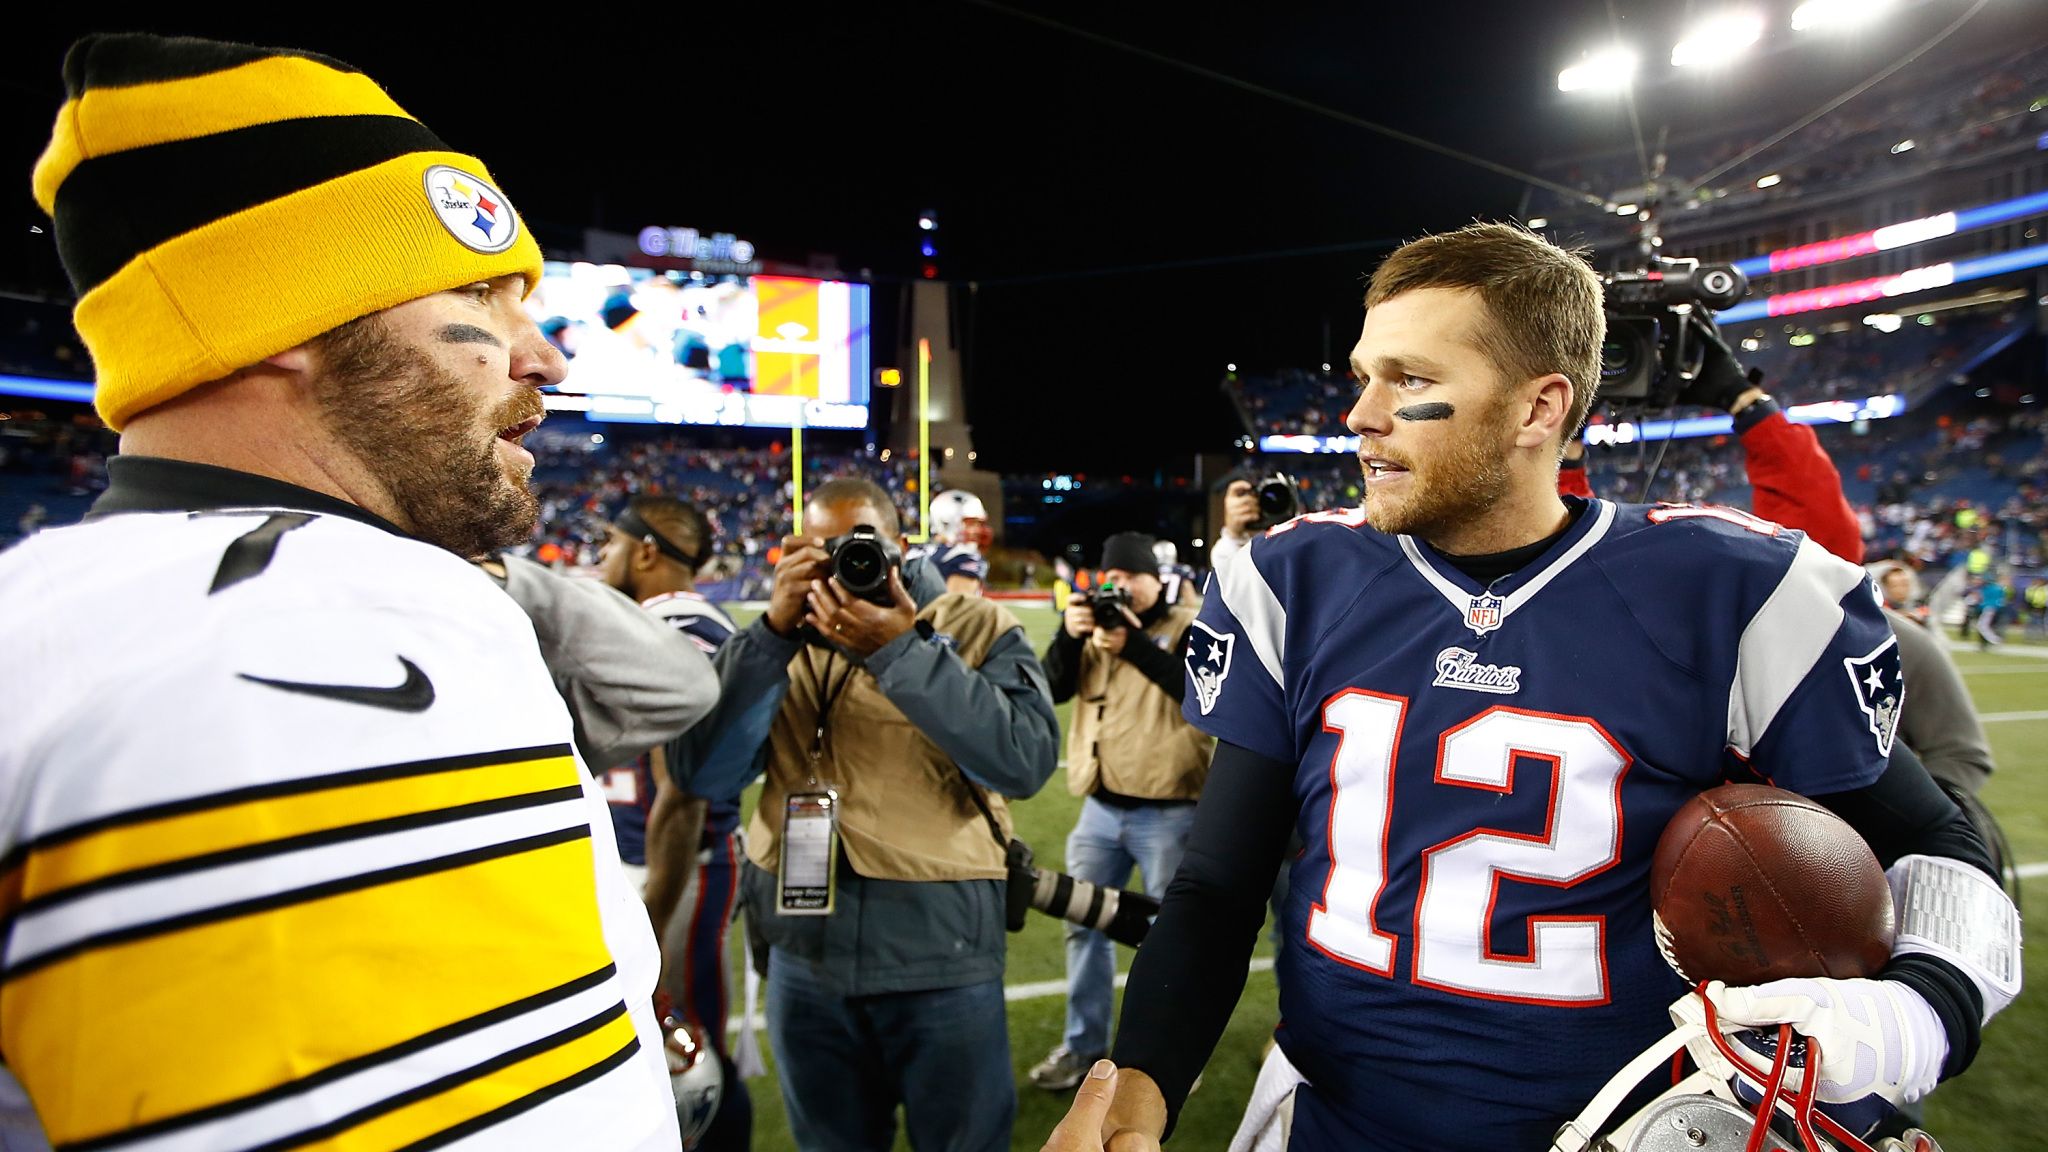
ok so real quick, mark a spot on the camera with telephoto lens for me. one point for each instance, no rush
(1108, 603)
(1652, 346)
(1278, 501)
(861, 561)
(1118, 913)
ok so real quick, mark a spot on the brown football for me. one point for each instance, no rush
(1752, 883)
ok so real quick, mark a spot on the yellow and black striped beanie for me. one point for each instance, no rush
(219, 203)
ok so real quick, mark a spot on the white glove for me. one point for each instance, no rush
(1877, 1037)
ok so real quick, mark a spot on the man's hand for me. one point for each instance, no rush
(1089, 1126)
(803, 561)
(1721, 380)
(1080, 618)
(1877, 1037)
(854, 625)
(1241, 507)
(1113, 640)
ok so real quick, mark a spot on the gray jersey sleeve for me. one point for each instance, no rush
(631, 680)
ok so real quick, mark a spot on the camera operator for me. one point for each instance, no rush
(1137, 762)
(1240, 517)
(890, 725)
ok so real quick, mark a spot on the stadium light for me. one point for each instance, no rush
(1884, 321)
(1538, 223)
(1230, 367)
(1828, 15)
(1717, 40)
(1608, 70)
(1770, 181)
(1626, 209)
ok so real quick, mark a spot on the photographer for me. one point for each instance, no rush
(1240, 517)
(1137, 762)
(891, 723)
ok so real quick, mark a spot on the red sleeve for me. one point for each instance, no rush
(1573, 482)
(1794, 483)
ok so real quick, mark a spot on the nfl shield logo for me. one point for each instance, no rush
(1484, 612)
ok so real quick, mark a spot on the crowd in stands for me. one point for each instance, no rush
(37, 339)
(1970, 111)
(1844, 360)
(745, 492)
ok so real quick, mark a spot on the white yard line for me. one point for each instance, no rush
(2004, 717)
(2005, 671)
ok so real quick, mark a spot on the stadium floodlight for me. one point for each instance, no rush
(1828, 15)
(1884, 321)
(1717, 40)
(1607, 70)
(1538, 223)
(1770, 181)
(1230, 367)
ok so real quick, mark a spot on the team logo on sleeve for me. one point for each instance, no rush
(1880, 688)
(1208, 663)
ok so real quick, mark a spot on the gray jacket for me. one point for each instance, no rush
(995, 721)
(1937, 720)
(630, 679)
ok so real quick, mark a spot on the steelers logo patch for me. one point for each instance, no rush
(476, 214)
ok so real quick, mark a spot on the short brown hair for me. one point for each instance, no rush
(1545, 301)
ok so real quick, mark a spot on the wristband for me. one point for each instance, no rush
(1759, 410)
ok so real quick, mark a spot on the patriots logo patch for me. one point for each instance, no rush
(1208, 663)
(1880, 688)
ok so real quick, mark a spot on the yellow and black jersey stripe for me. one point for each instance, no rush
(381, 958)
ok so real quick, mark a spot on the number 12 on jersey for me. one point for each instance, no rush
(1566, 963)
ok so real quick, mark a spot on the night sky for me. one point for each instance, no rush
(1118, 217)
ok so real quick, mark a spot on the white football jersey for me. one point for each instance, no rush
(295, 849)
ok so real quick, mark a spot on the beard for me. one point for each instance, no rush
(420, 430)
(1449, 485)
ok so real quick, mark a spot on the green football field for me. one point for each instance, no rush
(1983, 1110)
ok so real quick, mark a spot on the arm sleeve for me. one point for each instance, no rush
(1795, 483)
(1815, 701)
(1236, 647)
(1905, 813)
(1938, 721)
(630, 679)
(1161, 666)
(995, 721)
(720, 756)
(1190, 971)
(1063, 664)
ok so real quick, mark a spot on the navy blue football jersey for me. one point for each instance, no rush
(629, 788)
(953, 560)
(1484, 772)
(1176, 581)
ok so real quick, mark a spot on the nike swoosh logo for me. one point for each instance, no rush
(415, 695)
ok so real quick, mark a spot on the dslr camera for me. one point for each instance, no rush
(1278, 500)
(861, 561)
(1654, 319)
(1120, 914)
(1108, 602)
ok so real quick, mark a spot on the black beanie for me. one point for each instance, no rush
(1129, 552)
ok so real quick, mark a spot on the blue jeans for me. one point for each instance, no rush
(1104, 845)
(845, 1062)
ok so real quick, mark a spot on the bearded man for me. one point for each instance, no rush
(298, 846)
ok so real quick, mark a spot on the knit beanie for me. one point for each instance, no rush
(219, 203)
(1129, 552)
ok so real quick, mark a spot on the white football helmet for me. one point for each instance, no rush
(695, 1077)
(1768, 1104)
(952, 511)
